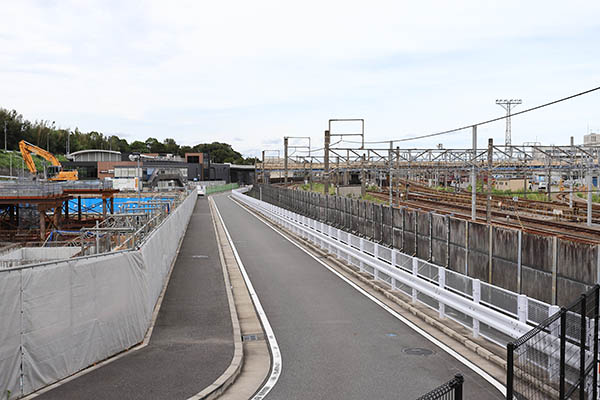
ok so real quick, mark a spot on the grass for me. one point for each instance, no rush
(374, 199)
(17, 161)
(595, 197)
(318, 188)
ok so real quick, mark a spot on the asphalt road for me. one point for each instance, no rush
(335, 343)
(192, 342)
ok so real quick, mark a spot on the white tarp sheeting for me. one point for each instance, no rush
(60, 318)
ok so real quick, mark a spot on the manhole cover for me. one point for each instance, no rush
(418, 351)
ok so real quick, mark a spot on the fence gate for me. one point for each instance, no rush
(558, 359)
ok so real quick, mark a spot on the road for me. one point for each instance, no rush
(192, 342)
(335, 343)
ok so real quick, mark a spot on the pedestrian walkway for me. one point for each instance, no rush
(192, 342)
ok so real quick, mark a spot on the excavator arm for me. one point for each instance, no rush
(28, 148)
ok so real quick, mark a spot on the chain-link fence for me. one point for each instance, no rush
(451, 390)
(559, 358)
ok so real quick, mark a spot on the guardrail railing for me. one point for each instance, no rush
(497, 314)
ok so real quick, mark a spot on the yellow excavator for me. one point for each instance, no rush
(55, 171)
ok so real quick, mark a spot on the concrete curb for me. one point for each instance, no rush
(227, 378)
(388, 294)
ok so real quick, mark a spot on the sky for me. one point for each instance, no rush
(251, 72)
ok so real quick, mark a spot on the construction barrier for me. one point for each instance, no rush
(61, 317)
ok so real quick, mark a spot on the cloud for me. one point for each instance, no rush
(252, 72)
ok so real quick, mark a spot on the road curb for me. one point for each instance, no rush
(227, 378)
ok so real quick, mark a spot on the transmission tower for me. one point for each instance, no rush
(508, 105)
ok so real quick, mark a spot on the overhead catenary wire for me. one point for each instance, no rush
(489, 121)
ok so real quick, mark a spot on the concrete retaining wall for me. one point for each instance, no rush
(549, 268)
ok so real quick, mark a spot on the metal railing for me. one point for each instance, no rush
(451, 390)
(26, 188)
(492, 312)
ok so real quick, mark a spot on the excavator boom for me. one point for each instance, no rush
(28, 148)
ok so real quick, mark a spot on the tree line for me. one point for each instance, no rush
(45, 135)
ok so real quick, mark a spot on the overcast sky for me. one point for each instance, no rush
(250, 72)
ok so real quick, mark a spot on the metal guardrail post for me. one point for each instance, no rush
(442, 283)
(476, 299)
(415, 271)
(510, 366)
(522, 308)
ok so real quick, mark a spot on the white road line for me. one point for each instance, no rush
(410, 324)
(275, 353)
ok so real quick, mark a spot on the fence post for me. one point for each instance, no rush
(458, 391)
(510, 367)
(583, 337)
(442, 283)
(563, 334)
(595, 347)
(522, 308)
(394, 256)
(476, 299)
(415, 271)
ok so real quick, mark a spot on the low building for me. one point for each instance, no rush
(95, 155)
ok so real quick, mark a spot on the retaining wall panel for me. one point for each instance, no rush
(478, 266)
(536, 284)
(409, 243)
(504, 274)
(457, 258)
(439, 252)
(537, 251)
(505, 243)
(478, 237)
(423, 247)
(567, 291)
(577, 261)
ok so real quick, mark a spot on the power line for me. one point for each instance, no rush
(489, 121)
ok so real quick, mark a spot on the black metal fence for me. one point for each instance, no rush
(451, 390)
(558, 359)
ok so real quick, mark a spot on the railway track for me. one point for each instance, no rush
(504, 217)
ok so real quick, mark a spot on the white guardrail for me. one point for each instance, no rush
(497, 314)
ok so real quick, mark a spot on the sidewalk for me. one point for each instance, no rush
(192, 342)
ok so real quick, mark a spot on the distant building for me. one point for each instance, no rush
(591, 139)
(95, 155)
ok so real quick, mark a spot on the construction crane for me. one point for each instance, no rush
(55, 172)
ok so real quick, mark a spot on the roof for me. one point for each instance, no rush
(238, 166)
(80, 152)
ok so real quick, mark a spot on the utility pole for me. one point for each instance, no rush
(488, 206)
(474, 176)
(4, 135)
(326, 166)
(508, 105)
(263, 167)
(391, 173)
(285, 160)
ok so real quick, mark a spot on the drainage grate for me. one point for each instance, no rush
(418, 351)
(252, 337)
